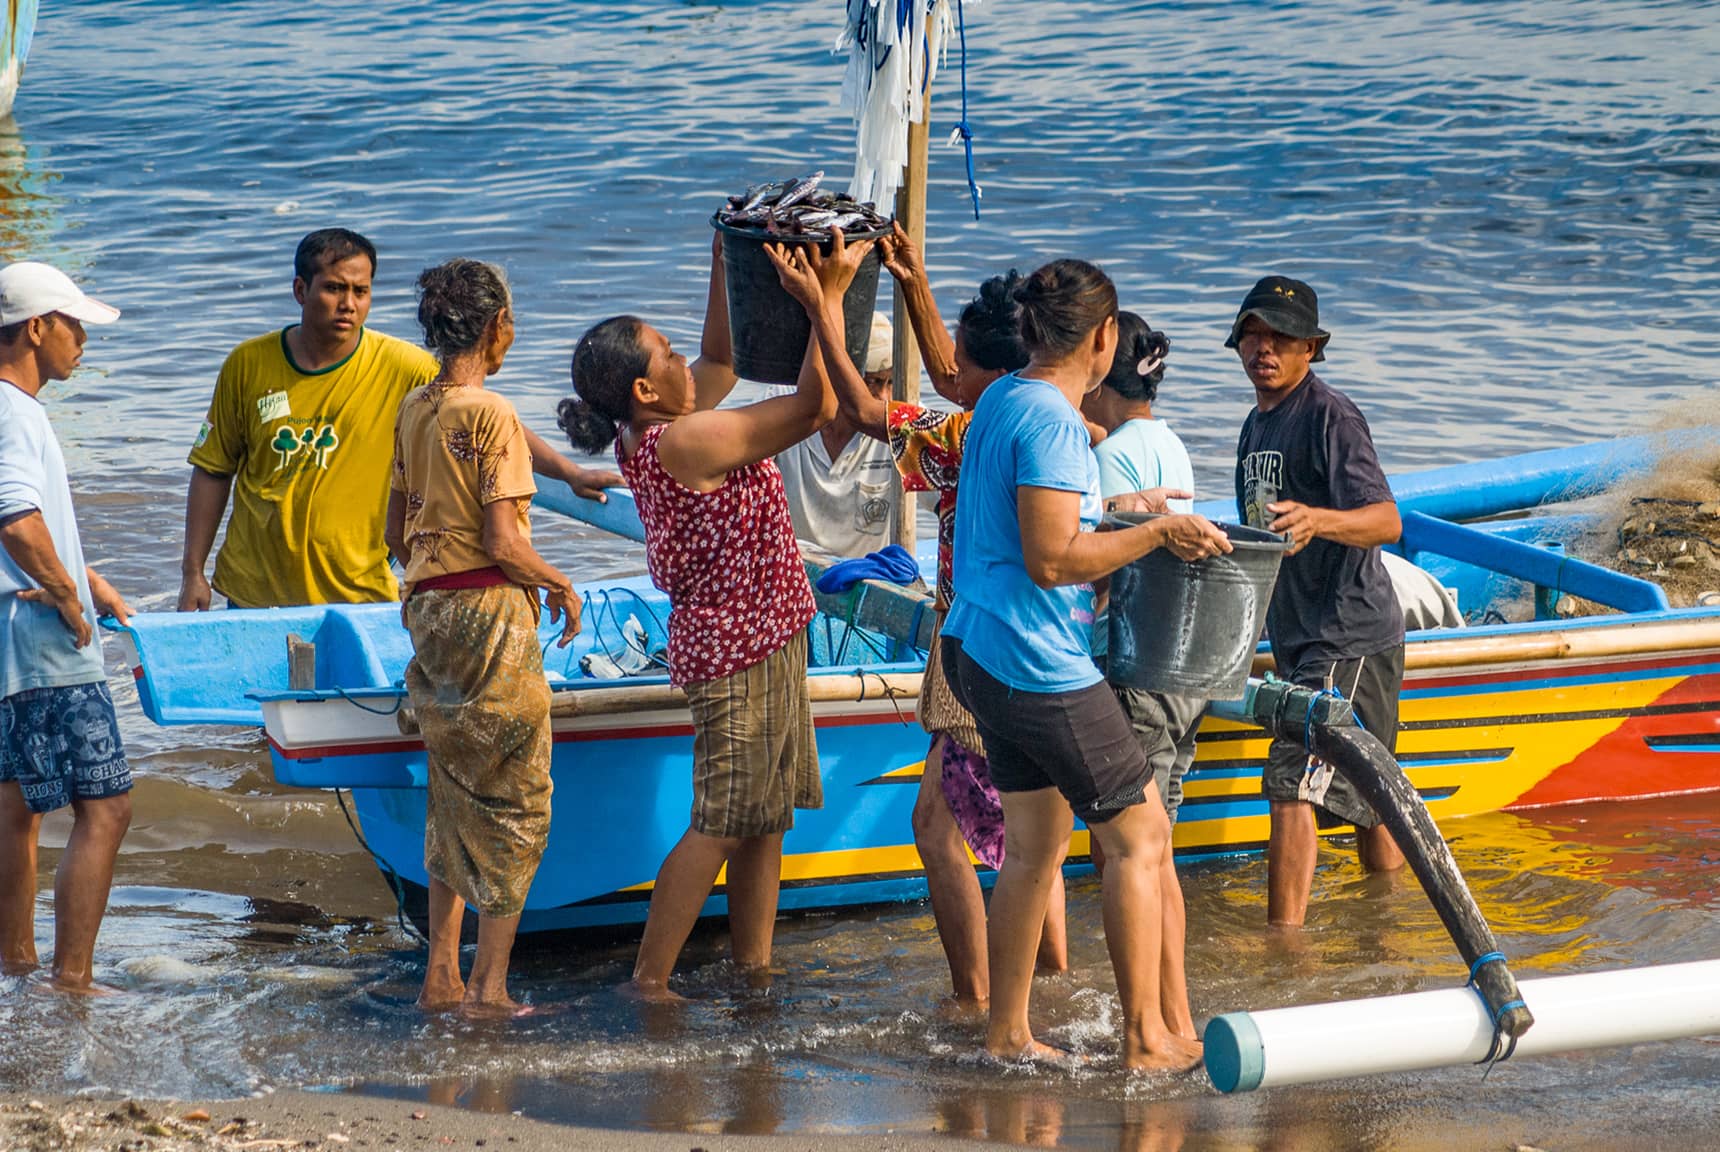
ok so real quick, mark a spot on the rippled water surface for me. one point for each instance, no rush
(1511, 211)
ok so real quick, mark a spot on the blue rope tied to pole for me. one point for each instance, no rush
(1485, 958)
(1502, 1046)
(963, 130)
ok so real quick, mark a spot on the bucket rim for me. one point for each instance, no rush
(752, 233)
(1276, 542)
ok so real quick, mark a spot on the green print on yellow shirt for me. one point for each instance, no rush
(309, 455)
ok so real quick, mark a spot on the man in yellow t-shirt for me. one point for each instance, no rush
(302, 425)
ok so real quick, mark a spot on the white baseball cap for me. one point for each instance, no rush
(29, 289)
(880, 347)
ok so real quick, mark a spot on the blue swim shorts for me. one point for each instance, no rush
(62, 743)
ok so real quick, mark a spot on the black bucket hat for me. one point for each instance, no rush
(1285, 305)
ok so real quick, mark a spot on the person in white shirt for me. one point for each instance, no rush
(59, 740)
(842, 487)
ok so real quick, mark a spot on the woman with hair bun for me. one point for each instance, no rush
(457, 517)
(1016, 647)
(719, 541)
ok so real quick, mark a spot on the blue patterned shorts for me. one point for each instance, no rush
(62, 743)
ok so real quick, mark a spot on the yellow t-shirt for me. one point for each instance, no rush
(457, 449)
(309, 453)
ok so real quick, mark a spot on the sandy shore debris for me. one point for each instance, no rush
(333, 1122)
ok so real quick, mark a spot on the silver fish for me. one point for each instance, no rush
(801, 190)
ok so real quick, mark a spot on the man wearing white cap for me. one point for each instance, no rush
(842, 487)
(59, 740)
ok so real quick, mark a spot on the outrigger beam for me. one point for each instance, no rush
(1325, 724)
(1450, 1026)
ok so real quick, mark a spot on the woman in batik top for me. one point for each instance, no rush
(457, 517)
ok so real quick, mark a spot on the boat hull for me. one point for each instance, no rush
(1477, 735)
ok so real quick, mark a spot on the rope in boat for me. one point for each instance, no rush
(394, 881)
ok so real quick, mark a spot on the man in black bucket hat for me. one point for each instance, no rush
(1305, 467)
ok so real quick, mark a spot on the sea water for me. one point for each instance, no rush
(1511, 211)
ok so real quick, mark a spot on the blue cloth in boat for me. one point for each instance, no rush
(35, 647)
(892, 562)
(1024, 434)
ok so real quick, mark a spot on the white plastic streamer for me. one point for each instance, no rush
(886, 83)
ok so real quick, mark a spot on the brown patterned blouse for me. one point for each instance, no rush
(457, 449)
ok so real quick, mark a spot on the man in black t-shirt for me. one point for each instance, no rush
(1305, 467)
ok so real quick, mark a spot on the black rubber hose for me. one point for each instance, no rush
(1380, 779)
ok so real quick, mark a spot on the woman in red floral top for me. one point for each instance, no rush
(720, 543)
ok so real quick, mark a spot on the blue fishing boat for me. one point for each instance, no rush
(15, 37)
(1621, 704)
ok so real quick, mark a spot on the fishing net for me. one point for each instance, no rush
(1665, 527)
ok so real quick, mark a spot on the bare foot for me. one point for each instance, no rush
(1037, 1053)
(651, 992)
(22, 966)
(963, 1008)
(1175, 1054)
(439, 996)
(503, 1009)
(54, 985)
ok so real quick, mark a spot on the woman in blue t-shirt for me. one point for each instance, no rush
(1016, 649)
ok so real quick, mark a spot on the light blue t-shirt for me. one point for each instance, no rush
(35, 647)
(1142, 454)
(1024, 433)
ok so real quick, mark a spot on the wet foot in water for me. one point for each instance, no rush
(1037, 1053)
(650, 992)
(502, 1009)
(441, 995)
(46, 985)
(1174, 1054)
(962, 1009)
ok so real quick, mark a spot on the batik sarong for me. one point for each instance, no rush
(477, 687)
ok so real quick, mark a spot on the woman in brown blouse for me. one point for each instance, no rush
(457, 518)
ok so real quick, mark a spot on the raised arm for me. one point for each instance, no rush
(205, 504)
(714, 370)
(937, 348)
(1058, 552)
(700, 449)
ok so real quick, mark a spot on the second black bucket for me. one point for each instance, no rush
(767, 327)
(1191, 629)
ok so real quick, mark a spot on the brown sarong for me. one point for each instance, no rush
(478, 689)
(940, 711)
(755, 754)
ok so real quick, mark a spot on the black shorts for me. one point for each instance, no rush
(1078, 742)
(1371, 684)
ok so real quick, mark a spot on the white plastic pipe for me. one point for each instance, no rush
(1249, 1050)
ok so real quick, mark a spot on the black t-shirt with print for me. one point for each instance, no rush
(1333, 602)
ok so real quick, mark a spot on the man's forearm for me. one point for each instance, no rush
(31, 547)
(1366, 527)
(205, 504)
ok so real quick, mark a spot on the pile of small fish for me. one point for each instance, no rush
(799, 207)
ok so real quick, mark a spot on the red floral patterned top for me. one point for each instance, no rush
(927, 446)
(727, 559)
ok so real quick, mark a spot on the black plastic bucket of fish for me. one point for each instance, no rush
(767, 327)
(1191, 629)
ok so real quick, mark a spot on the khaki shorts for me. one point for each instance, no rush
(755, 756)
